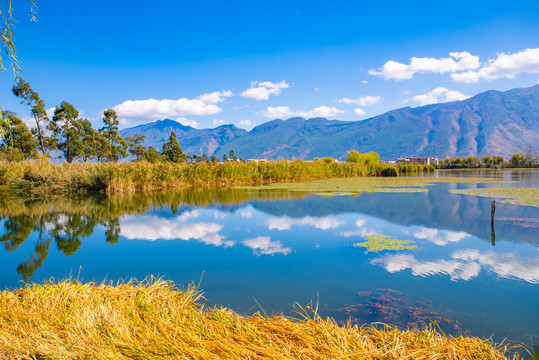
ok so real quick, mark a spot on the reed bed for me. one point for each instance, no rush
(42, 177)
(156, 320)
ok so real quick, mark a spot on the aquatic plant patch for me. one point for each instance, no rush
(518, 196)
(357, 185)
(377, 243)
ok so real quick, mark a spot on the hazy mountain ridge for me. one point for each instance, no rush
(490, 123)
(193, 141)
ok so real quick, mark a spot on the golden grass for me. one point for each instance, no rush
(42, 177)
(154, 320)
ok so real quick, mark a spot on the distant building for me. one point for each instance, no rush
(425, 160)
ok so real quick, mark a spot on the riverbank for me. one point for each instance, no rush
(42, 177)
(156, 320)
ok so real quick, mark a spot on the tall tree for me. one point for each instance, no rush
(66, 131)
(17, 135)
(31, 98)
(172, 150)
(88, 138)
(136, 145)
(117, 146)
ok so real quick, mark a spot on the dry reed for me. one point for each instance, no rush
(155, 320)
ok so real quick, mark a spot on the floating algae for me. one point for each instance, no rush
(357, 185)
(377, 243)
(517, 196)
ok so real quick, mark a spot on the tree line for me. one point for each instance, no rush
(75, 137)
(518, 160)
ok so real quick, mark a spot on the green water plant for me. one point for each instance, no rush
(518, 196)
(357, 185)
(377, 243)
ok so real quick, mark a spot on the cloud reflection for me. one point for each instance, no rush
(440, 237)
(322, 223)
(263, 245)
(466, 265)
(153, 228)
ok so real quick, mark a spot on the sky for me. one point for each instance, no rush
(207, 63)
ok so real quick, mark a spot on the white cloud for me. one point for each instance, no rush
(215, 97)
(440, 237)
(458, 61)
(360, 222)
(362, 100)
(153, 228)
(322, 223)
(188, 215)
(263, 90)
(361, 233)
(152, 109)
(316, 89)
(188, 122)
(246, 214)
(245, 122)
(440, 94)
(218, 122)
(50, 112)
(503, 66)
(359, 111)
(465, 265)
(263, 245)
(285, 112)
(364, 81)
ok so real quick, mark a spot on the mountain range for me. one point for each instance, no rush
(490, 123)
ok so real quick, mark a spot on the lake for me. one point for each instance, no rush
(265, 250)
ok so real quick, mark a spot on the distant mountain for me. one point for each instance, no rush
(490, 123)
(192, 141)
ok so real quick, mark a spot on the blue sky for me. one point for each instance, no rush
(207, 63)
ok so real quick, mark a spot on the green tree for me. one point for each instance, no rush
(232, 156)
(18, 141)
(153, 155)
(31, 98)
(67, 131)
(370, 158)
(136, 145)
(214, 159)
(116, 145)
(518, 160)
(88, 138)
(101, 147)
(172, 150)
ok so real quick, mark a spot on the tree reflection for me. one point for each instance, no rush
(68, 221)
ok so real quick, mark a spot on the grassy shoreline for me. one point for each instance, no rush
(42, 177)
(154, 319)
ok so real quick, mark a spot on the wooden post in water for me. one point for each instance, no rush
(492, 235)
(492, 210)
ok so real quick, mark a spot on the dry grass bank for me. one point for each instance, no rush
(42, 177)
(154, 320)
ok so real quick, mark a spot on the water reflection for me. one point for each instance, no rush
(284, 247)
(465, 265)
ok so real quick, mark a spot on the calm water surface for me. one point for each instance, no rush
(273, 249)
